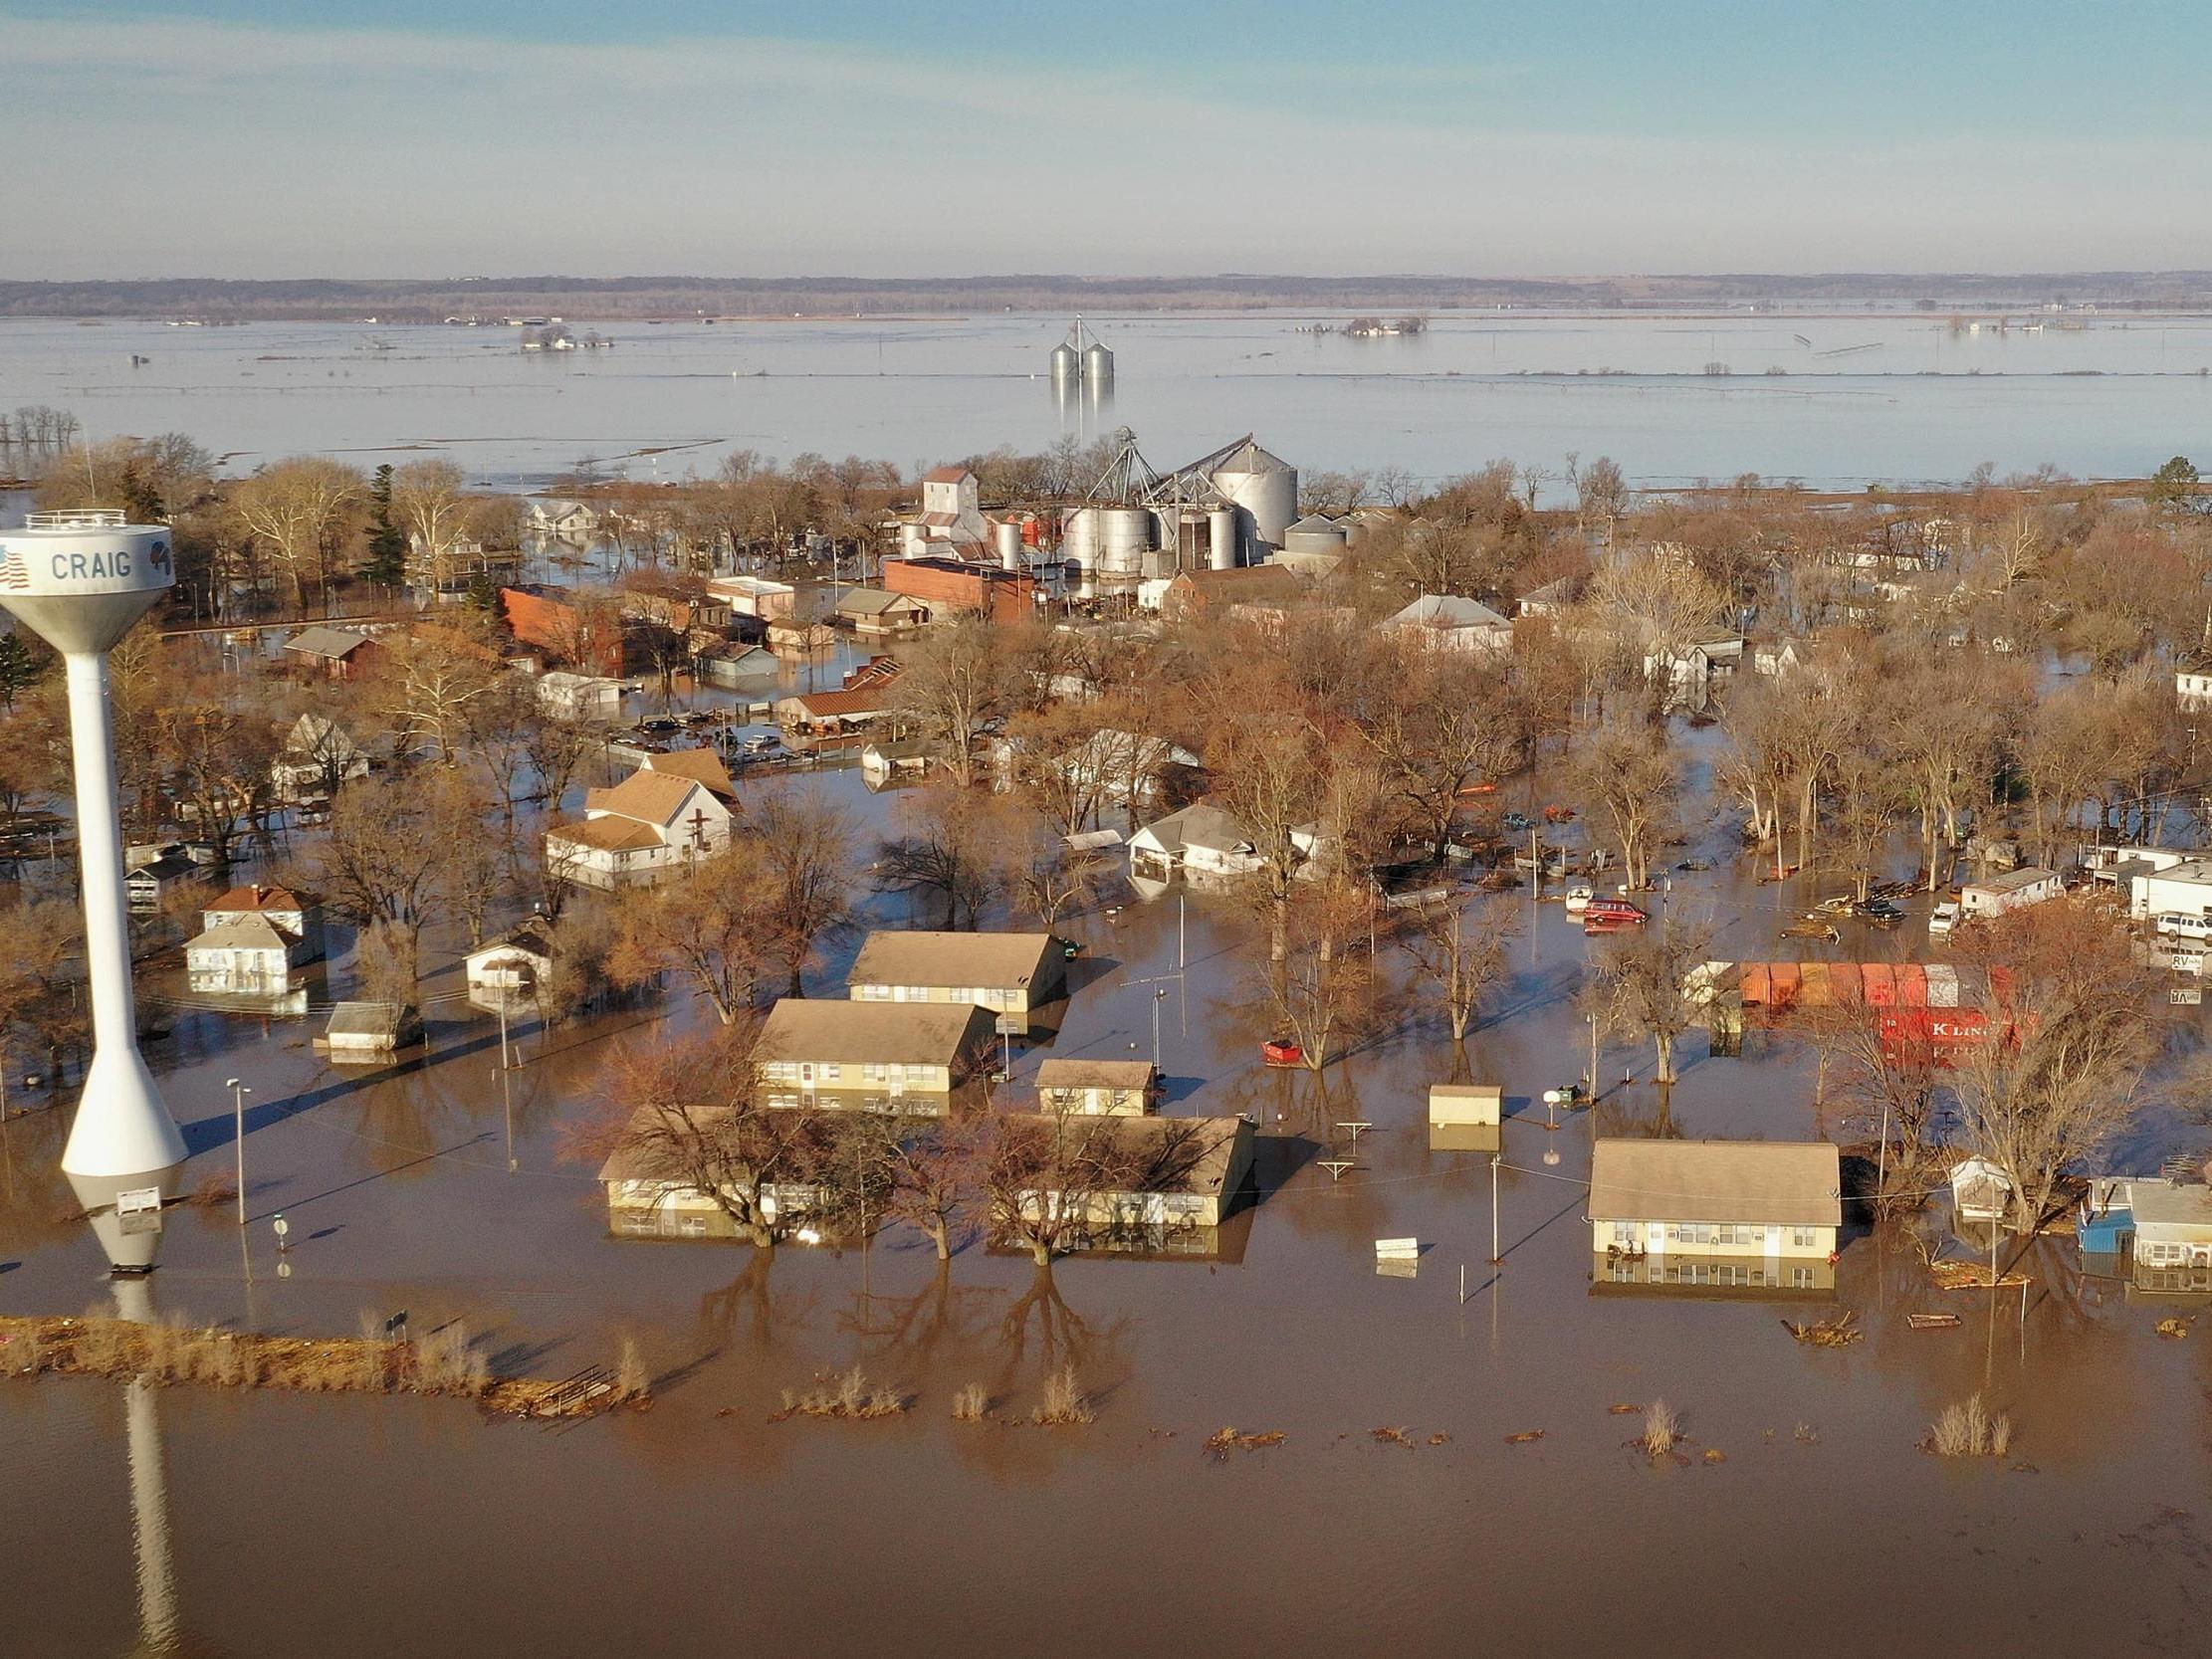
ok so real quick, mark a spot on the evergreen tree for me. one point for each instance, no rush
(387, 563)
(21, 662)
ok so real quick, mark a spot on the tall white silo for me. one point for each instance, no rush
(1264, 490)
(80, 581)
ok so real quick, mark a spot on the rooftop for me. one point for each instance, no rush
(1791, 1182)
(932, 958)
(701, 765)
(1095, 1074)
(2170, 1203)
(335, 644)
(650, 795)
(257, 898)
(2012, 881)
(913, 1033)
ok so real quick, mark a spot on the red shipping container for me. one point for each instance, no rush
(1758, 986)
(1882, 987)
(1788, 981)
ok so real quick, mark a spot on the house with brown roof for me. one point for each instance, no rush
(701, 765)
(1007, 973)
(1098, 1088)
(633, 834)
(1169, 1183)
(829, 713)
(1754, 1214)
(1195, 595)
(252, 941)
(871, 1057)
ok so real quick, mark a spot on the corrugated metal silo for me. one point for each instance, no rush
(1098, 371)
(1067, 369)
(1222, 539)
(1264, 489)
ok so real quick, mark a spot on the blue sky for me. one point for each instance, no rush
(290, 137)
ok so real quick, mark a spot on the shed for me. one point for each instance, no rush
(1464, 1104)
(368, 1033)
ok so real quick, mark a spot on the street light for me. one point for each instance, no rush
(238, 1093)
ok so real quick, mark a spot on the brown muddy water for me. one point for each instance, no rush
(192, 1521)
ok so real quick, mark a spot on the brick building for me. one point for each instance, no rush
(951, 588)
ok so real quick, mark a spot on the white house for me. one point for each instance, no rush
(368, 1033)
(512, 968)
(252, 941)
(1202, 843)
(636, 832)
(2192, 689)
(566, 520)
(1779, 657)
(579, 697)
(1691, 673)
(319, 755)
(1446, 622)
(1774, 1207)
(152, 873)
(2009, 890)
(1548, 601)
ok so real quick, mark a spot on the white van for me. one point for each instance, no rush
(2176, 925)
(1943, 917)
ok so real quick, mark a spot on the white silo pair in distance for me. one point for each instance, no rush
(80, 581)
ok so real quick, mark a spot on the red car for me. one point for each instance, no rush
(1282, 1052)
(1609, 915)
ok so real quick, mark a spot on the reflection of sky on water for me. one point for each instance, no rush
(1862, 397)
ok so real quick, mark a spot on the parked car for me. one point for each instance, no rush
(2177, 924)
(762, 743)
(1514, 821)
(1578, 898)
(658, 728)
(1943, 917)
(1883, 913)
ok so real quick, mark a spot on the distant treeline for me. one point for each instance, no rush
(494, 299)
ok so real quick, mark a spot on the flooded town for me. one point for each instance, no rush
(1305, 964)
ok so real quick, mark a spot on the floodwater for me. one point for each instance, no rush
(1860, 398)
(256, 1524)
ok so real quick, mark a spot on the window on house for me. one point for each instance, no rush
(1801, 1278)
(1624, 1232)
(1804, 1237)
(831, 1071)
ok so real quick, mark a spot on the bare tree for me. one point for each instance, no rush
(298, 509)
(1629, 782)
(2071, 1031)
(1645, 980)
(803, 846)
(1459, 948)
(706, 926)
(954, 682)
(691, 1116)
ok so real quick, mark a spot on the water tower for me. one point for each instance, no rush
(80, 581)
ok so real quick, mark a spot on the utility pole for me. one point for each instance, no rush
(1497, 1255)
(238, 1093)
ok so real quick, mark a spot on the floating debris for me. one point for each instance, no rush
(2175, 1327)
(1933, 1321)
(1223, 1441)
(1389, 1436)
(1840, 1332)
(1970, 1276)
(1440, 1439)
(1622, 1410)
(1524, 1437)
(1714, 1454)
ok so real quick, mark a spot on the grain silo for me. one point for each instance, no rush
(1098, 371)
(1067, 369)
(1264, 490)
(1314, 535)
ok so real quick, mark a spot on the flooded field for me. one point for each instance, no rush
(1838, 402)
(203, 1522)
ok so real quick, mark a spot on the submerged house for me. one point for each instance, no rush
(653, 1194)
(1448, 622)
(1202, 843)
(1170, 1183)
(252, 941)
(2163, 1222)
(512, 969)
(651, 823)
(872, 1057)
(1007, 973)
(1748, 1213)
(1097, 1087)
